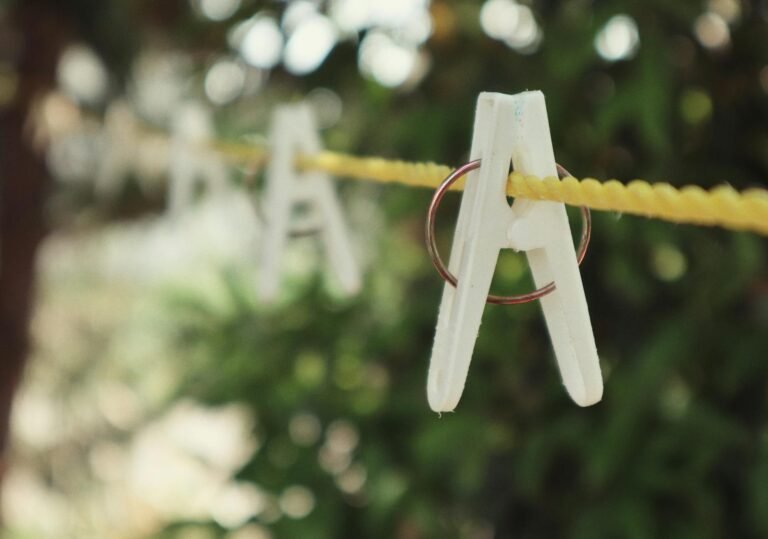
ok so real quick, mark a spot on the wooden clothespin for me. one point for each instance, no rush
(192, 158)
(512, 129)
(294, 132)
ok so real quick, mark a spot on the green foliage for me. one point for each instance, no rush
(678, 448)
(675, 449)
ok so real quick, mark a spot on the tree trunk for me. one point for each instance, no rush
(38, 36)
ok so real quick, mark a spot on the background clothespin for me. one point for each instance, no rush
(192, 158)
(129, 148)
(294, 132)
(512, 129)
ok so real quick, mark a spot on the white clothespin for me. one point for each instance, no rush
(512, 129)
(293, 132)
(192, 159)
(129, 149)
(121, 133)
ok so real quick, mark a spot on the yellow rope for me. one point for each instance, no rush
(253, 154)
(721, 206)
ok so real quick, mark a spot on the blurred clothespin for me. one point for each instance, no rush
(121, 137)
(512, 129)
(294, 132)
(192, 157)
(129, 149)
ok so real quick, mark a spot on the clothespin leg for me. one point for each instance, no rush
(272, 246)
(479, 236)
(336, 240)
(182, 185)
(541, 229)
(277, 203)
(568, 323)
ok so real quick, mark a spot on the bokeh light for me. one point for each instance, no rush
(305, 429)
(82, 75)
(499, 18)
(296, 12)
(695, 106)
(388, 62)
(352, 480)
(224, 81)
(619, 39)
(342, 436)
(297, 502)
(260, 41)
(712, 31)
(512, 23)
(251, 531)
(357, 15)
(309, 44)
(526, 35)
(237, 503)
(729, 10)
(417, 29)
(217, 10)
(351, 16)
(669, 263)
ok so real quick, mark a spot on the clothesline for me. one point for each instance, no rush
(720, 206)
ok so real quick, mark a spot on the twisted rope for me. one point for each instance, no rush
(721, 206)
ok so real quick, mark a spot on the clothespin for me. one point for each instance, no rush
(512, 129)
(294, 132)
(192, 158)
(129, 149)
(121, 134)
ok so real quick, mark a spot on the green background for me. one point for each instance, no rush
(679, 445)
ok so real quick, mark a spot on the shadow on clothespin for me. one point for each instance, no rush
(193, 160)
(294, 132)
(512, 129)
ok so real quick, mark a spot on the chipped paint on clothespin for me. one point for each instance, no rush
(192, 158)
(294, 132)
(512, 129)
